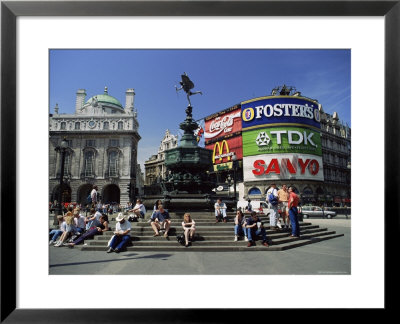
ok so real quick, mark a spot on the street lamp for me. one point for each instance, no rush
(61, 149)
(235, 162)
(229, 181)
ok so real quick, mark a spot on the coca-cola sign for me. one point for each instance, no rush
(223, 124)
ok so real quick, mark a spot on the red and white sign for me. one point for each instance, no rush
(283, 167)
(223, 124)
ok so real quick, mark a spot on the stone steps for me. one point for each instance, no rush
(201, 236)
(210, 236)
(241, 246)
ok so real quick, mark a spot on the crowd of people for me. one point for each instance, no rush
(74, 227)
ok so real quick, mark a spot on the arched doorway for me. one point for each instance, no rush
(66, 193)
(111, 194)
(83, 193)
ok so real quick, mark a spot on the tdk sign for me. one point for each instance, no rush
(294, 137)
(280, 110)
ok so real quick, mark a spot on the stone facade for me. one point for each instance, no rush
(102, 140)
(155, 165)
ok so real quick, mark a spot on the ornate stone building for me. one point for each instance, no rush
(155, 165)
(102, 140)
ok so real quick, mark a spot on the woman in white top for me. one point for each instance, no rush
(189, 227)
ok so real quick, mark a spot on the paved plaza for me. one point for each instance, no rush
(331, 257)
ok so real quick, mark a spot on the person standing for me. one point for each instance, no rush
(121, 235)
(293, 212)
(283, 198)
(272, 198)
(249, 207)
(93, 196)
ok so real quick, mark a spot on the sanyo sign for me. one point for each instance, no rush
(283, 167)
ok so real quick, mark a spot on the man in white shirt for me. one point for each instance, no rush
(93, 195)
(273, 205)
(79, 221)
(139, 210)
(220, 211)
(121, 235)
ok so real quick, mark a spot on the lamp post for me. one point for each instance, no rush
(234, 159)
(61, 149)
(229, 181)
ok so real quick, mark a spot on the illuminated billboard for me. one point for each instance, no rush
(280, 110)
(283, 167)
(223, 151)
(222, 124)
(275, 140)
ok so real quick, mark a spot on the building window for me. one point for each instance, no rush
(114, 142)
(106, 125)
(63, 125)
(89, 163)
(113, 111)
(91, 143)
(113, 164)
(67, 164)
(120, 125)
(254, 191)
(77, 125)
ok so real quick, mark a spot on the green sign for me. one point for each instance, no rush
(277, 140)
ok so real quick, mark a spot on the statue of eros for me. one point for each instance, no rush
(187, 85)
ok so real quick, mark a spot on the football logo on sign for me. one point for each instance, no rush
(262, 139)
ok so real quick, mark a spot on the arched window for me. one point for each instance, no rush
(113, 164)
(106, 125)
(307, 191)
(120, 125)
(77, 125)
(89, 163)
(254, 191)
(63, 125)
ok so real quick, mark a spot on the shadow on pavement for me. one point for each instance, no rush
(156, 256)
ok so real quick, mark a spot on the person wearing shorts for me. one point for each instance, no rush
(283, 198)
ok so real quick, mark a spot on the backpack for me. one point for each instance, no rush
(181, 239)
(89, 199)
(272, 199)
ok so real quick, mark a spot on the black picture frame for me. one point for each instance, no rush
(10, 10)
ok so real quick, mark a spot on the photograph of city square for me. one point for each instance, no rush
(199, 161)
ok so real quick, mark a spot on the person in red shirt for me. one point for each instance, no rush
(293, 212)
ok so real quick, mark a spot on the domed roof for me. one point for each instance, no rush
(105, 98)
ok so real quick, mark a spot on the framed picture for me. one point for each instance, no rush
(12, 180)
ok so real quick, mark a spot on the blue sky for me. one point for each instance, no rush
(226, 77)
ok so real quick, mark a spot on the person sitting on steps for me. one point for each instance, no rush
(161, 218)
(220, 211)
(240, 223)
(121, 235)
(254, 228)
(189, 227)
